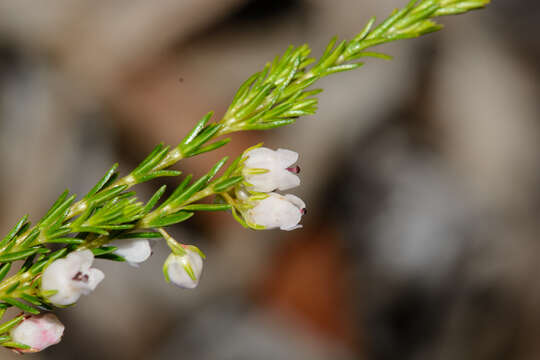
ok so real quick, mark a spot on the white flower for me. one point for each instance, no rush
(280, 173)
(38, 332)
(184, 270)
(135, 251)
(71, 277)
(277, 211)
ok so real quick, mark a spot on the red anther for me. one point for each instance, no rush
(303, 211)
(294, 169)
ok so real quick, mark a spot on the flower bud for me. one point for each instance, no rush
(277, 211)
(71, 277)
(267, 170)
(135, 251)
(184, 270)
(38, 332)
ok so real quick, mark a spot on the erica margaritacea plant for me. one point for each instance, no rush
(111, 223)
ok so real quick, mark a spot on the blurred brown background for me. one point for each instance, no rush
(421, 176)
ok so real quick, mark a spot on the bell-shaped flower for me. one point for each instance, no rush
(71, 277)
(267, 170)
(184, 270)
(135, 251)
(276, 211)
(38, 332)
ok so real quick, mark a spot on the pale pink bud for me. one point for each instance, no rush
(38, 332)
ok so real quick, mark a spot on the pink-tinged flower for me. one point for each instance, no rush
(277, 211)
(184, 270)
(38, 332)
(71, 277)
(267, 170)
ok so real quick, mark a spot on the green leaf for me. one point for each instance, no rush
(92, 229)
(52, 233)
(154, 199)
(170, 219)
(104, 250)
(197, 129)
(156, 174)
(108, 194)
(21, 305)
(34, 300)
(112, 257)
(18, 255)
(57, 203)
(227, 183)
(14, 231)
(12, 287)
(4, 338)
(270, 125)
(149, 158)
(27, 263)
(208, 133)
(386, 24)
(185, 195)
(178, 191)
(362, 35)
(139, 235)
(372, 54)
(211, 147)
(151, 161)
(216, 168)
(117, 227)
(5, 327)
(66, 240)
(207, 207)
(15, 345)
(59, 209)
(4, 269)
(29, 239)
(104, 180)
(341, 68)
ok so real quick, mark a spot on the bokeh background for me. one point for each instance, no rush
(421, 177)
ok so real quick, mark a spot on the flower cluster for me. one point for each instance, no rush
(65, 280)
(266, 171)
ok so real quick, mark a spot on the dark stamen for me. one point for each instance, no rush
(81, 277)
(303, 211)
(294, 169)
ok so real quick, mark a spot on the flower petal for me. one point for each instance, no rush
(288, 180)
(286, 157)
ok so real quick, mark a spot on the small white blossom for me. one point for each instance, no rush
(184, 270)
(38, 332)
(71, 277)
(280, 172)
(277, 211)
(135, 251)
